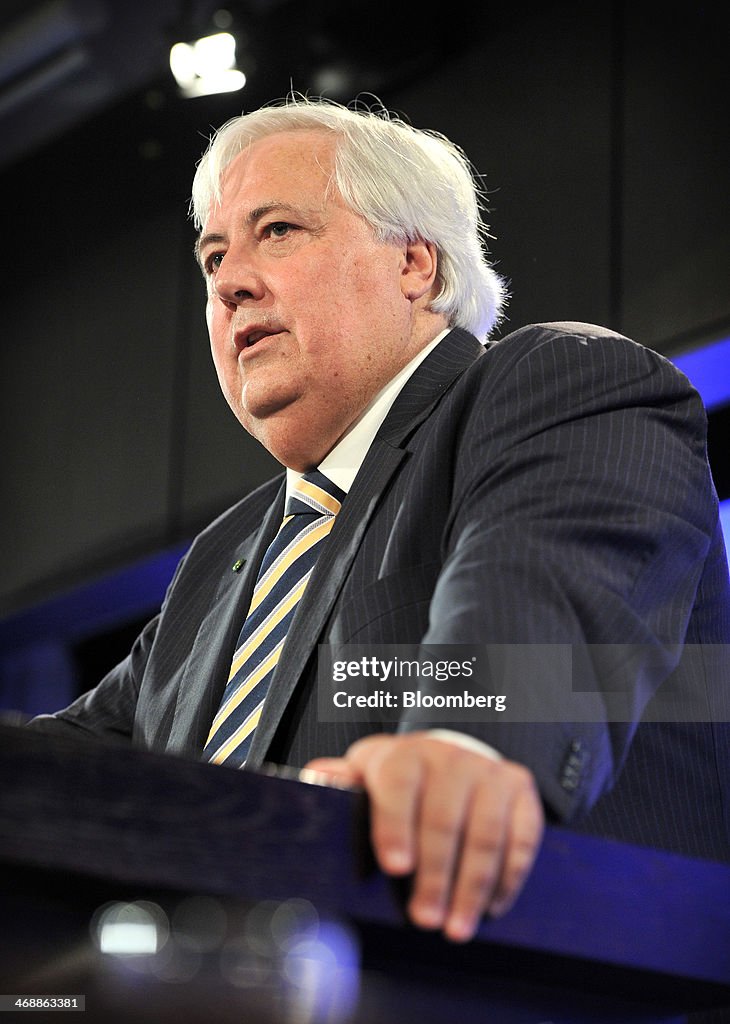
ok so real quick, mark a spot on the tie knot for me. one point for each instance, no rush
(315, 493)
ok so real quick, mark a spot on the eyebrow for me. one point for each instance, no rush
(214, 238)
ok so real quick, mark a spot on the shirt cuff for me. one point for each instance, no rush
(461, 739)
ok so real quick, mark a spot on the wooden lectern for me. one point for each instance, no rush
(166, 890)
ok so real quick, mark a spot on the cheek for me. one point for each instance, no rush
(210, 321)
(225, 367)
(217, 331)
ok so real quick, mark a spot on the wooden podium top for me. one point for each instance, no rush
(83, 824)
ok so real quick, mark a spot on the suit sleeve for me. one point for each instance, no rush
(107, 712)
(583, 514)
(154, 698)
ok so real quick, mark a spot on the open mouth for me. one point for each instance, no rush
(245, 341)
(255, 336)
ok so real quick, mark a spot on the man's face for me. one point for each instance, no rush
(308, 315)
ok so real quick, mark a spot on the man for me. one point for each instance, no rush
(549, 489)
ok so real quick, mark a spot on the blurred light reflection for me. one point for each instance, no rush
(305, 968)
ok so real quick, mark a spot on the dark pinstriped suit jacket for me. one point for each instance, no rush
(551, 489)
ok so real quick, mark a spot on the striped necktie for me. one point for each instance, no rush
(309, 516)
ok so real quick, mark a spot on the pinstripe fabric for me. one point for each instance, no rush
(553, 488)
(309, 517)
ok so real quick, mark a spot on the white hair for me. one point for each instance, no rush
(407, 183)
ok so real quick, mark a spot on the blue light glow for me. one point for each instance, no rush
(709, 370)
(725, 520)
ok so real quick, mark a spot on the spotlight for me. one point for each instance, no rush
(207, 66)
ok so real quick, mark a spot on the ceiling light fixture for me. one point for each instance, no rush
(207, 66)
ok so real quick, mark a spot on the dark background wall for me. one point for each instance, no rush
(601, 130)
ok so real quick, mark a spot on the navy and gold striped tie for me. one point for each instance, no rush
(288, 562)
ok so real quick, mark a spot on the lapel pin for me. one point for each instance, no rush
(237, 566)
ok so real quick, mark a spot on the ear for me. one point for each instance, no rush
(418, 272)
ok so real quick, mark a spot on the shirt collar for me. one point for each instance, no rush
(341, 465)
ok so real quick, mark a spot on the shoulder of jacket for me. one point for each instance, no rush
(603, 342)
(242, 517)
(534, 335)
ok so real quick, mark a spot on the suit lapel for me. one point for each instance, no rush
(417, 399)
(208, 665)
(425, 389)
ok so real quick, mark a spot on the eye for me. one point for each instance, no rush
(213, 262)
(279, 228)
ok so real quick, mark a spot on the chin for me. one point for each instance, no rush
(289, 443)
(267, 402)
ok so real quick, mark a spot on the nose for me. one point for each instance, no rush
(236, 280)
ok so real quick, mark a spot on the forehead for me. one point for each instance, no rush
(292, 167)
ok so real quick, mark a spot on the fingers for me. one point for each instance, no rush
(503, 831)
(444, 810)
(335, 771)
(466, 826)
(394, 781)
(527, 825)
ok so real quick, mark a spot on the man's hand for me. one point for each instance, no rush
(468, 827)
